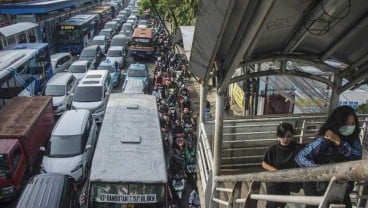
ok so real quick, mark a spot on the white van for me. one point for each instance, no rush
(92, 93)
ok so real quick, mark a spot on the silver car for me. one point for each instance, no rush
(71, 145)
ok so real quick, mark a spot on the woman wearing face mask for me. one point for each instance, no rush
(337, 141)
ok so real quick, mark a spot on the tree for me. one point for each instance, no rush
(184, 11)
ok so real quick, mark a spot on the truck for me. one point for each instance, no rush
(25, 126)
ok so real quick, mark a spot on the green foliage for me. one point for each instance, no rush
(363, 108)
(184, 10)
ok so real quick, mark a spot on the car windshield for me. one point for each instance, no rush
(114, 53)
(55, 90)
(88, 53)
(88, 94)
(4, 165)
(117, 42)
(98, 42)
(77, 69)
(106, 67)
(105, 33)
(64, 146)
(137, 73)
(108, 26)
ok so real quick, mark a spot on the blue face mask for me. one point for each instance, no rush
(347, 130)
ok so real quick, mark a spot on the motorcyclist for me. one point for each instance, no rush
(163, 108)
(156, 93)
(186, 117)
(186, 103)
(194, 201)
(184, 92)
(189, 151)
(178, 128)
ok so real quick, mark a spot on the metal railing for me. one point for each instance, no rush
(338, 175)
(236, 146)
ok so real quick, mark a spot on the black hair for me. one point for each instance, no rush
(283, 128)
(338, 119)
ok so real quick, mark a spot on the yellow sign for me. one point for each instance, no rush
(67, 27)
(306, 102)
(238, 95)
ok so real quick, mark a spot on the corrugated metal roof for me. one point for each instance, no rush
(10, 30)
(17, 117)
(234, 33)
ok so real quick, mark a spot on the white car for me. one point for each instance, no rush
(117, 53)
(71, 145)
(100, 40)
(80, 68)
(61, 87)
(61, 61)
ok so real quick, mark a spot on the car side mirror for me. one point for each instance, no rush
(43, 149)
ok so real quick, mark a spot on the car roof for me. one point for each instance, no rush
(106, 29)
(138, 66)
(56, 56)
(80, 62)
(59, 79)
(99, 37)
(71, 123)
(44, 190)
(108, 62)
(93, 78)
(91, 47)
(116, 48)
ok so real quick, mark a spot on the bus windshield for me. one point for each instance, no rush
(69, 36)
(142, 42)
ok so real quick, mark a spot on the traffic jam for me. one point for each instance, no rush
(56, 108)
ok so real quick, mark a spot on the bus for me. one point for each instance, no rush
(128, 167)
(76, 32)
(24, 32)
(142, 43)
(104, 14)
(24, 70)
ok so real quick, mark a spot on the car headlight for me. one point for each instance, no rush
(8, 190)
(77, 168)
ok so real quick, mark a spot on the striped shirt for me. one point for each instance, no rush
(323, 151)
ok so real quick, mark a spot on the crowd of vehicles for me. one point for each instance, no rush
(79, 93)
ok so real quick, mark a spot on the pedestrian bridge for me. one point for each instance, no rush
(329, 35)
(244, 143)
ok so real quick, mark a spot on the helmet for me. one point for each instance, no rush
(163, 102)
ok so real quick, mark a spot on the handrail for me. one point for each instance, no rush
(352, 171)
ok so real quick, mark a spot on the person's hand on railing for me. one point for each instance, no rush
(329, 135)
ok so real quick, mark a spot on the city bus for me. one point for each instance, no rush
(104, 14)
(24, 32)
(128, 167)
(24, 70)
(142, 44)
(76, 32)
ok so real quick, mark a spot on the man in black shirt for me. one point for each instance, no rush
(280, 156)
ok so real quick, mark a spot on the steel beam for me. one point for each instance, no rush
(350, 171)
(278, 72)
(309, 60)
(219, 122)
(246, 39)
